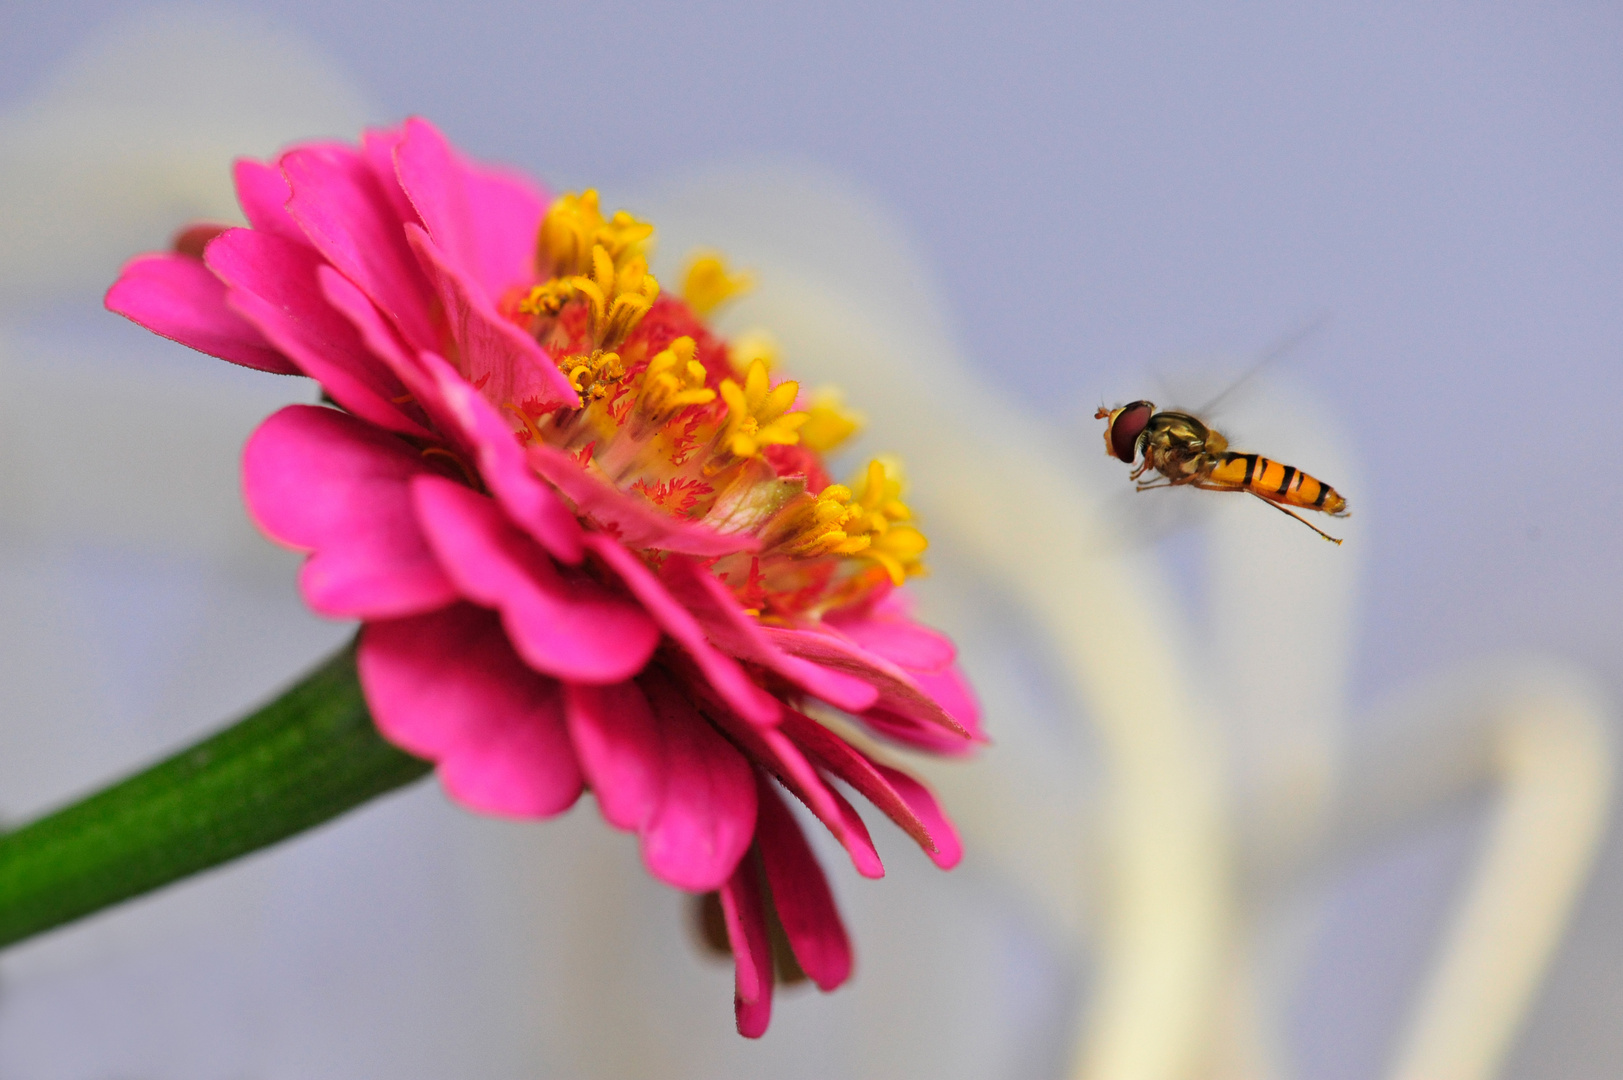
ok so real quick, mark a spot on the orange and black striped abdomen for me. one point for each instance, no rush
(1275, 482)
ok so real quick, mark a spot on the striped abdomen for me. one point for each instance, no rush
(1275, 482)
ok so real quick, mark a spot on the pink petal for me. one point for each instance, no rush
(722, 672)
(527, 500)
(619, 745)
(752, 953)
(902, 799)
(383, 341)
(432, 178)
(927, 808)
(900, 694)
(484, 220)
(377, 148)
(179, 298)
(319, 480)
(273, 284)
(501, 360)
(570, 628)
(953, 693)
(901, 641)
(631, 518)
(688, 793)
(775, 752)
(447, 686)
(800, 892)
(262, 192)
(349, 217)
(918, 736)
(469, 424)
(731, 629)
(507, 218)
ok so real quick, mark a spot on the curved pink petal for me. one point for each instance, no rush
(722, 672)
(901, 641)
(179, 298)
(949, 849)
(918, 736)
(447, 686)
(800, 892)
(435, 181)
(631, 518)
(900, 695)
(527, 500)
(322, 481)
(273, 284)
(383, 341)
(618, 742)
(506, 223)
(506, 364)
(262, 192)
(484, 220)
(377, 148)
(702, 818)
(776, 753)
(731, 629)
(570, 628)
(902, 799)
(745, 916)
(953, 693)
(350, 218)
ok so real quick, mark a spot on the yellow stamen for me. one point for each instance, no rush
(877, 513)
(574, 225)
(672, 381)
(592, 375)
(817, 526)
(547, 299)
(617, 298)
(708, 285)
(756, 413)
(754, 347)
(828, 422)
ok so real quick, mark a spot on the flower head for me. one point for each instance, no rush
(589, 548)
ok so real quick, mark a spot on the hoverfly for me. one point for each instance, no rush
(1184, 450)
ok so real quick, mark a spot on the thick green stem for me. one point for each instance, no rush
(308, 756)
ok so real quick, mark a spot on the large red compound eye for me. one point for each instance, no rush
(1126, 425)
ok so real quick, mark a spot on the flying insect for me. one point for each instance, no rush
(1185, 451)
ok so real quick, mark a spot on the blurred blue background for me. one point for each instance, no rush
(1105, 191)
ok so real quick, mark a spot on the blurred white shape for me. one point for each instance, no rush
(135, 135)
(1538, 732)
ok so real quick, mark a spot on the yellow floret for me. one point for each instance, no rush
(707, 284)
(878, 512)
(574, 225)
(828, 422)
(618, 298)
(756, 346)
(672, 381)
(756, 413)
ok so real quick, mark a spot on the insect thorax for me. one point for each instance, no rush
(1176, 444)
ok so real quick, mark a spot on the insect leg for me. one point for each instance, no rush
(1298, 517)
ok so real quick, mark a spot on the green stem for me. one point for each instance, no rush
(308, 756)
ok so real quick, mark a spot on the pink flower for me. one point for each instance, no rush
(587, 551)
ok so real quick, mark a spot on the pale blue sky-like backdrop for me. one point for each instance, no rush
(1108, 190)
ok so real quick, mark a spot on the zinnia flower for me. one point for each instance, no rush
(591, 545)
